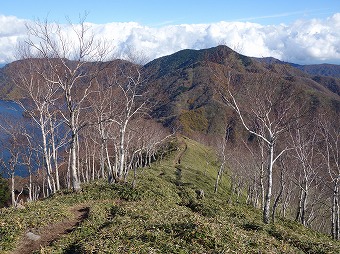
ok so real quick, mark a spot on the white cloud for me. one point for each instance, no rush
(11, 30)
(304, 41)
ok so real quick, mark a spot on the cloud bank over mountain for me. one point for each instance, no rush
(303, 42)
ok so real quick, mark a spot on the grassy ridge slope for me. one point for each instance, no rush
(164, 215)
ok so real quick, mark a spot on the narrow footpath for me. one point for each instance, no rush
(42, 237)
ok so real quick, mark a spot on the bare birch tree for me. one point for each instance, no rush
(329, 129)
(132, 103)
(265, 106)
(11, 144)
(304, 144)
(39, 106)
(73, 59)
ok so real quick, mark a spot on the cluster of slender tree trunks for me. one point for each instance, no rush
(88, 111)
(289, 163)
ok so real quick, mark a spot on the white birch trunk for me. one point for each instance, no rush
(266, 208)
(73, 166)
(121, 161)
(13, 190)
(55, 156)
(335, 211)
(46, 158)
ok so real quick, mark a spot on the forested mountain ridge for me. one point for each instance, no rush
(324, 69)
(269, 123)
(168, 68)
(326, 74)
(186, 85)
(161, 67)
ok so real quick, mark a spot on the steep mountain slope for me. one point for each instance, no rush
(164, 214)
(185, 85)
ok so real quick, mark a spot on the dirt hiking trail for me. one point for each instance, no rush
(42, 237)
(182, 147)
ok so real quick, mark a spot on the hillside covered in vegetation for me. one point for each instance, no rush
(173, 209)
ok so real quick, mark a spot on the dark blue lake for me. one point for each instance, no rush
(10, 109)
(10, 115)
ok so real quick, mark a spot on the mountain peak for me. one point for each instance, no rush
(221, 54)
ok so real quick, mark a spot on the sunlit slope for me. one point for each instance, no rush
(165, 213)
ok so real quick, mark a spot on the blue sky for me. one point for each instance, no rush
(158, 12)
(298, 31)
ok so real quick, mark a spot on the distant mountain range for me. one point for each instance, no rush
(326, 74)
(183, 86)
(329, 70)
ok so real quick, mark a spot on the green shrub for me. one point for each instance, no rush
(4, 192)
(194, 120)
(252, 226)
(127, 193)
(117, 210)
